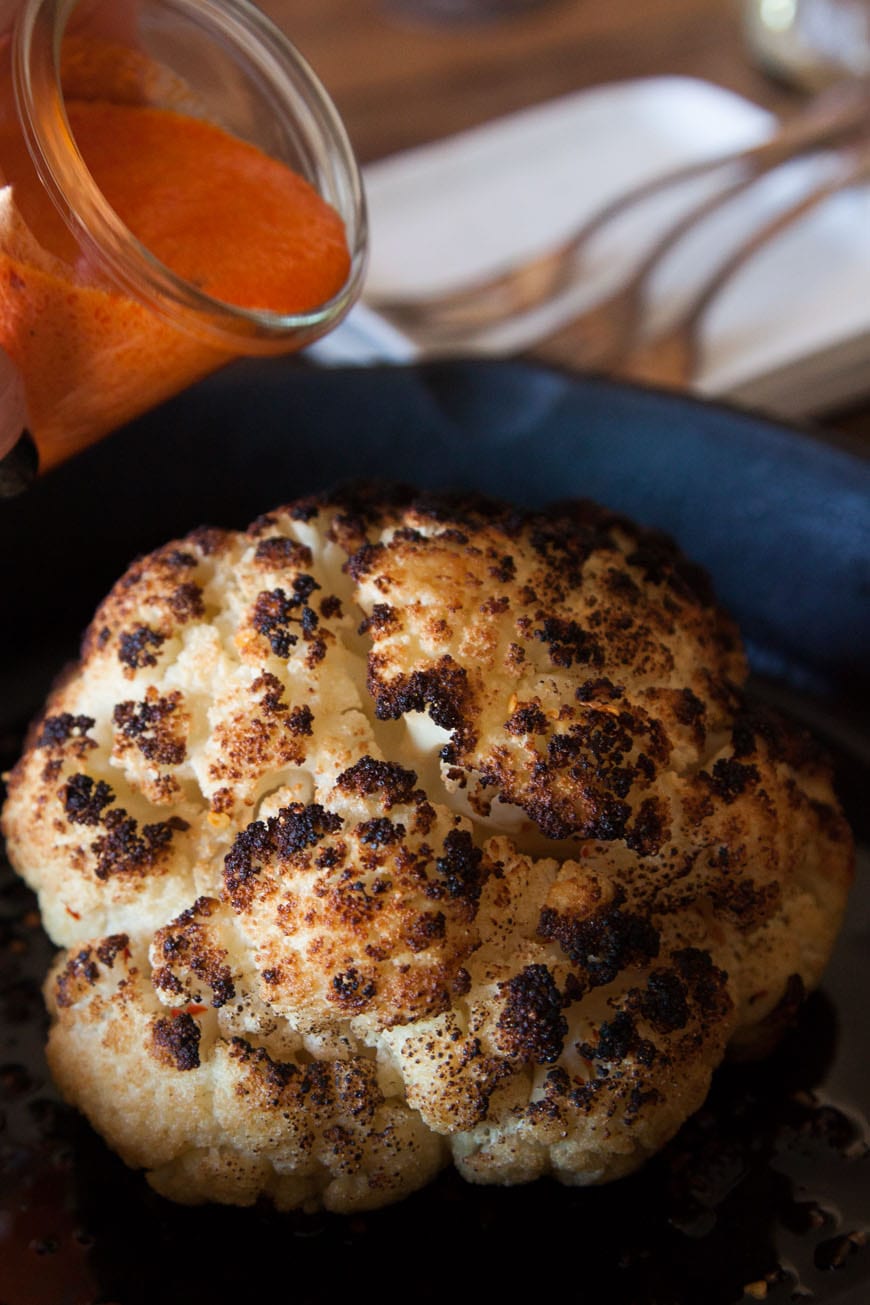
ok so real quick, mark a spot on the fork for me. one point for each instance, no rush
(457, 317)
(671, 357)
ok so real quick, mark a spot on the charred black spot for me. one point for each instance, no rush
(304, 510)
(84, 799)
(688, 707)
(208, 539)
(731, 778)
(600, 689)
(316, 1084)
(583, 1096)
(704, 981)
(528, 719)
(569, 643)
(274, 1077)
(597, 751)
(272, 702)
(380, 832)
(187, 942)
(746, 903)
(604, 943)
(109, 948)
(364, 560)
(149, 724)
(504, 569)
(650, 827)
(608, 822)
(617, 1039)
(638, 1098)
(124, 849)
(179, 560)
(186, 602)
(292, 830)
(459, 868)
(136, 647)
(316, 652)
(279, 552)
(442, 690)
(531, 1024)
(303, 587)
(301, 721)
(273, 612)
(453, 536)
(621, 584)
(383, 620)
(426, 929)
(57, 730)
(351, 990)
(166, 981)
(330, 606)
(175, 1041)
(663, 1002)
(79, 969)
(367, 776)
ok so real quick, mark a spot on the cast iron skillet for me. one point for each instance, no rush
(768, 1187)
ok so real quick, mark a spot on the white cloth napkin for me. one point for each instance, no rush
(790, 332)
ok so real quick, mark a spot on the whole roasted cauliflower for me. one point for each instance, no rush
(398, 831)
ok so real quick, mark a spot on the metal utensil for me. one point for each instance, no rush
(672, 356)
(458, 317)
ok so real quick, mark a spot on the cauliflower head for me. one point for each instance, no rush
(396, 832)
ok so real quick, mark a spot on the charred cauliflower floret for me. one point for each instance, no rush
(397, 832)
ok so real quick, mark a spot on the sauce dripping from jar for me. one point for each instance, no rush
(229, 221)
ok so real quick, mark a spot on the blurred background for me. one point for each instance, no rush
(402, 72)
(410, 73)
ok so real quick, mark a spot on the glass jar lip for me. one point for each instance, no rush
(126, 262)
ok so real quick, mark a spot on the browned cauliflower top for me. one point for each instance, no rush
(402, 830)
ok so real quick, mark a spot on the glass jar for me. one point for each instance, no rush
(100, 328)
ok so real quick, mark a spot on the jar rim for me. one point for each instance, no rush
(110, 245)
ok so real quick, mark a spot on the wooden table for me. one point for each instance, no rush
(400, 80)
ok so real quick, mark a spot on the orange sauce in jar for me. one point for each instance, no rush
(226, 218)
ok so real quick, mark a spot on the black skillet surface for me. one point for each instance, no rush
(766, 1192)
